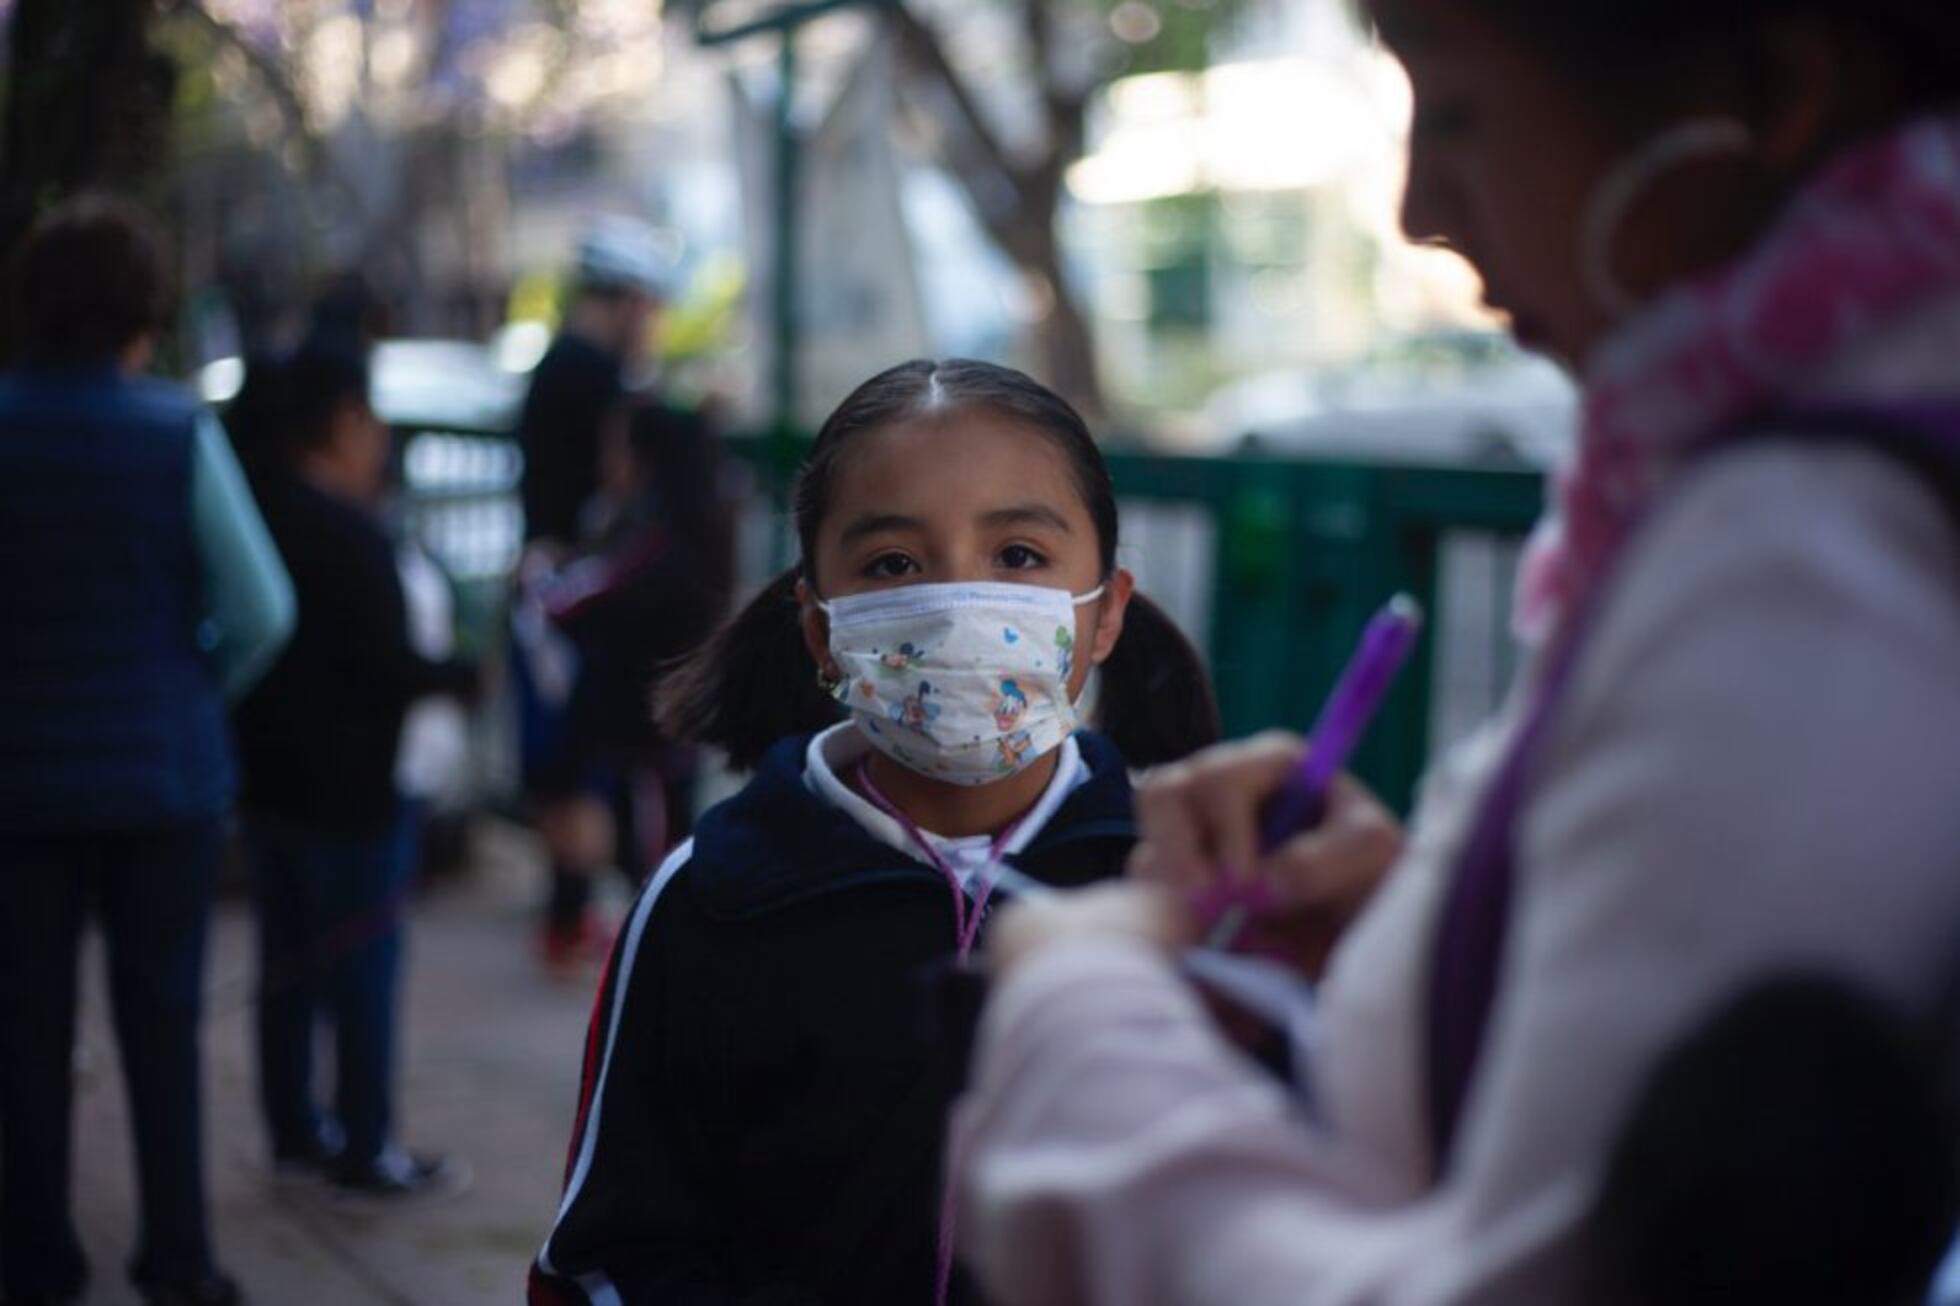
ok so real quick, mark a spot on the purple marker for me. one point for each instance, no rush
(1301, 801)
(1385, 645)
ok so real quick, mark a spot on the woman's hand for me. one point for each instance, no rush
(1125, 909)
(1200, 823)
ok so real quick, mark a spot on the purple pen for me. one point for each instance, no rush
(1301, 801)
(1385, 645)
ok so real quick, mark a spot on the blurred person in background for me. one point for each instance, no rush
(651, 584)
(617, 275)
(319, 739)
(138, 591)
(1732, 753)
(617, 279)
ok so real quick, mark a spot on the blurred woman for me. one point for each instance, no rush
(1734, 747)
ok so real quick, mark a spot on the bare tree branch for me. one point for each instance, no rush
(997, 200)
(1015, 201)
(267, 69)
(921, 46)
(279, 85)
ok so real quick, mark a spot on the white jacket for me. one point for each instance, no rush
(1756, 766)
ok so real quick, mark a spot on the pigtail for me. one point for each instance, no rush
(1156, 703)
(751, 684)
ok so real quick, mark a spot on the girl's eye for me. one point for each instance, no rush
(1019, 557)
(890, 566)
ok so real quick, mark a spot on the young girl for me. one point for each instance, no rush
(763, 1101)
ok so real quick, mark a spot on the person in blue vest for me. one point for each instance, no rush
(138, 591)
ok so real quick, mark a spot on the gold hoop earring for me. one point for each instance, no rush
(1617, 192)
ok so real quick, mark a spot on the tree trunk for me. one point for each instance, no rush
(1015, 200)
(1064, 336)
(88, 105)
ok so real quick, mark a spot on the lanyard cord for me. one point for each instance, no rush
(966, 928)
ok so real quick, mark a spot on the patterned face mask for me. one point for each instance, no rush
(966, 683)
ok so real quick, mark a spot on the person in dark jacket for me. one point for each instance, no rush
(764, 1092)
(138, 589)
(616, 292)
(578, 386)
(319, 739)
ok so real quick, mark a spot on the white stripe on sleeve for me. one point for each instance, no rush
(596, 1285)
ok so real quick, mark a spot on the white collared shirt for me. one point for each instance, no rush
(836, 751)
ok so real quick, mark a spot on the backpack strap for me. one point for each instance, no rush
(1471, 933)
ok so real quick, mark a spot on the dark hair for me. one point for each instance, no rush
(681, 449)
(319, 377)
(349, 312)
(1796, 1149)
(89, 279)
(754, 683)
(606, 292)
(1156, 700)
(1623, 42)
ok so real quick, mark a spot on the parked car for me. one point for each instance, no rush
(1449, 399)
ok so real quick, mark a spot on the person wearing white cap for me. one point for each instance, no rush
(618, 283)
(618, 277)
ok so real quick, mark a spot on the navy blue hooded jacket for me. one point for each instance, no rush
(762, 1024)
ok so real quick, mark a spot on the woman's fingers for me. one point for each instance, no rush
(1200, 829)
(1203, 815)
(1339, 862)
(1199, 818)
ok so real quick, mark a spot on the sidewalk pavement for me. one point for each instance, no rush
(488, 1070)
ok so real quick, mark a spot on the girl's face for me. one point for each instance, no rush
(963, 495)
(363, 442)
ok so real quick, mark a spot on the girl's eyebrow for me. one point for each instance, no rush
(1027, 514)
(877, 523)
(1019, 514)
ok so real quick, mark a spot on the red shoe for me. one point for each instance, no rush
(572, 951)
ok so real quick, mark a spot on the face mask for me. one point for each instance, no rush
(966, 683)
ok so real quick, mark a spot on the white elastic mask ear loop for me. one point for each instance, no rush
(1621, 188)
(1086, 703)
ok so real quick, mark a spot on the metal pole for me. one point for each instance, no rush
(787, 159)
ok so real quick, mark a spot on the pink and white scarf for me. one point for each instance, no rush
(1871, 240)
